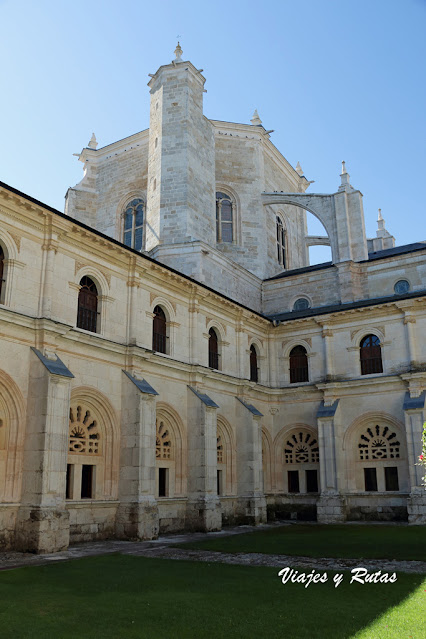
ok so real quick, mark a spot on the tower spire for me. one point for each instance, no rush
(178, 53)
(256, 121)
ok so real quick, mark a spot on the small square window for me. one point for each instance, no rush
(311, 481)
(87, 482)
(163, 477)
(293, 481)
(391, 478)
(370, 479)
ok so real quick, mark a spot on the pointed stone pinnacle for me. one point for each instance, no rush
(379, 217)
(343, 167)
(256, 121)
(178, 53)
(299, 169)
(93, 142)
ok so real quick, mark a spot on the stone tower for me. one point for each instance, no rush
(181, 170)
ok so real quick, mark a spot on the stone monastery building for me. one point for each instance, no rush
(169, 358)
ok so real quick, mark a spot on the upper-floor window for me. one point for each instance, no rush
(225, 223)
(281, 252)
(401, 287)
(299, 371)
(213, 349)
(159, 332)
(301, 304)
(133, 224)
(371, 355)
(87, 315)
(1, 271)
(254, 371)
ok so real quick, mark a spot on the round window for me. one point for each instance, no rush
(301, 304)
(402, 286)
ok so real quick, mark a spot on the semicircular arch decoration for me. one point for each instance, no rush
(301, 448)
(379, 442)
(84, 433)
(164, 448)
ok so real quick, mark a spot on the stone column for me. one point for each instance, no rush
(43, 522)
(203, 507)
(414, 420)
(410, 321)
(251, 507)
(137, 514)
(331, 505)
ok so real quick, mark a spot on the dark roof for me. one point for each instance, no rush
(333, 308)
(397, 250)
(304, 269)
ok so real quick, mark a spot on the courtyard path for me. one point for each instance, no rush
(164, 547)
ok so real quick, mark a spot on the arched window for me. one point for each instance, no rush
(84, 452)
(281, 252)
(1, 272)
(371, 355)
(165, 456)
(213, 349)
(221, 464)
(380, 450)
(159, 331)
(133, 224)
(301, 304)
(87, 316)
(299, 371)
(301, 459)
(254, 371)
(225, 226)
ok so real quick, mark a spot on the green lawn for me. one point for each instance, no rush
(125, 597)
(368, 542)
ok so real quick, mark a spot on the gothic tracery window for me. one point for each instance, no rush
(133, 224)
(281, 252)
(301, 458)
(371, 355)
(163, 447)
(84, 436)
(378, 442)
(225, 223)
(87, 314)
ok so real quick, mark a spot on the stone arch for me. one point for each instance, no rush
(359, 437)
(96, 275)
(321, 206)
(226, 436)
(267, 460)
(107, 425)
(12, 413)
(169, 416)
(309, 439)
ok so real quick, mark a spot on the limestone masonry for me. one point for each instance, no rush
(169, 358)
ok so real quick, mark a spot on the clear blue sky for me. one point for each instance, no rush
(337, 80)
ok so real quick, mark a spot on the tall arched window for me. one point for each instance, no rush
(299, 371)
(164, 453)
(133, 224)
(301, 459)
(254, 371)
(1, 272)
(225, 224)
(371, 355)
(87, 315)
(281, 252)
(84, 451)
(159, 331)
(213, 349)
(379, 448)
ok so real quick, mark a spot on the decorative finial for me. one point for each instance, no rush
(345, 185)
(379, 217)
(380, 221)
(343, 167)
(299, 169)
(178, 53)
(256, 121)
(93, 142)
